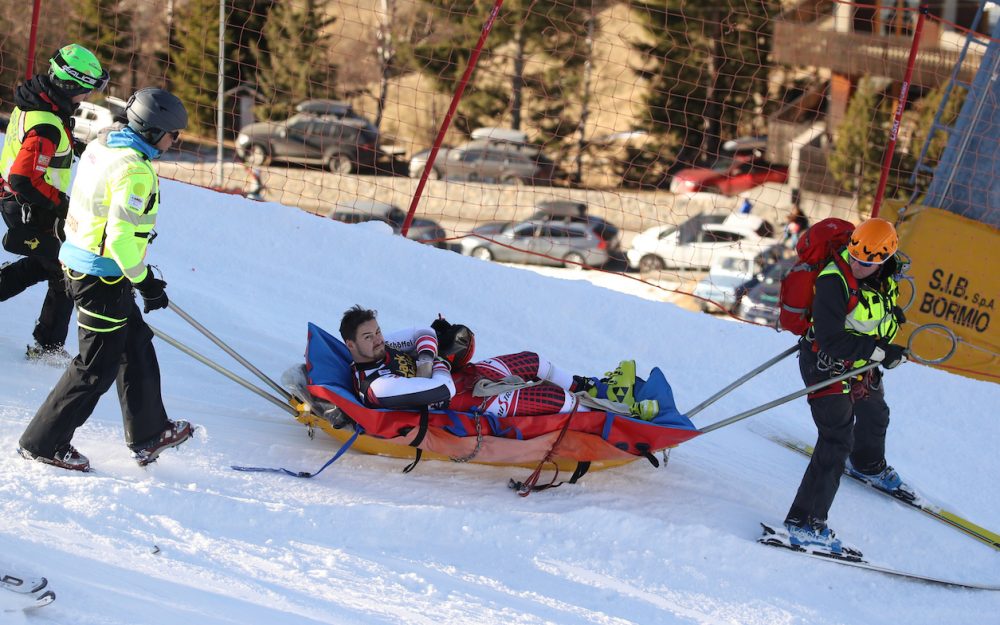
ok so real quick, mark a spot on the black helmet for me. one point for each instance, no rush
(153, 112)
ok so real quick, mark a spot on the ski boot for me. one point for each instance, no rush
(886, 480)
(66, 457)
(176, 433)
(617, 385)
(54, 355)
(812, 534)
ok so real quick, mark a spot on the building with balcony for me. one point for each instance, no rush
(837, 44)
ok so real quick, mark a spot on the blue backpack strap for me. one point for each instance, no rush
(306, 474)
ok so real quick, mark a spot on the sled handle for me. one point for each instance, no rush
(787, 398)
(226, 372)
(767, 365)
(229, 350)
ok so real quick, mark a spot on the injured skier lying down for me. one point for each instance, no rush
(433, 367)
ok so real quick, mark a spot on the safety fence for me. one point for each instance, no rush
(657, 140)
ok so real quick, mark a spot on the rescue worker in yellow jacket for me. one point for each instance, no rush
(112, 213)
(851, 416)
(34, 180)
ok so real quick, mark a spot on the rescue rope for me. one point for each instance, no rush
(526, 487)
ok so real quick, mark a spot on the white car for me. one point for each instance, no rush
(729, 274)
(90, 119)
(666, 246)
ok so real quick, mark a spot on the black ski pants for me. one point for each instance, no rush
(851, 424)
(116, 345)
(40, 263)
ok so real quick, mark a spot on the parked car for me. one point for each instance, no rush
(746, 145)
(90, 118)
(663, 246)
(576, 212)
(539, 242)
(729, 176)
(728, 274)
(360, 210)
(337, 109)
(758, 301)
(491, 228)
(344, 145)
(495, 156)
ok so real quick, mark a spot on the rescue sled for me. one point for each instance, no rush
(580, 440)
(602, 439)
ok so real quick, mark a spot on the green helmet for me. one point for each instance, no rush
(75, 70)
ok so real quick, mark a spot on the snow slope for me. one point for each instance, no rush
(189, 540)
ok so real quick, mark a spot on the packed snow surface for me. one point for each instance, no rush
(188, 540)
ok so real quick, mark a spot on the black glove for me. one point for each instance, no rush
(62, 209)
(154, 297)
(900, 316)
(440, 326)
(892, 355)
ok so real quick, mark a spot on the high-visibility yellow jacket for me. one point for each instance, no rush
(112, 210)
(873, 316)
(37, 158)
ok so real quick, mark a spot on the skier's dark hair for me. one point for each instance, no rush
(353, 318)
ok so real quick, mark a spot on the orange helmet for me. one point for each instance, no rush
(874, 241)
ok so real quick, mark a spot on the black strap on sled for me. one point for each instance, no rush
(419, 438)
(644, 451)
(529, 486)
(580, 471)
(306, 474)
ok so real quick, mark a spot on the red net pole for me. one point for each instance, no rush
(894, 132)
(487, 27)
(33, 38)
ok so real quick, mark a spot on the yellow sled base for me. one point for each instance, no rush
(399, 447)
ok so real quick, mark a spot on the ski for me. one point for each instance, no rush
(920, 503)
(31, 593)
(779, 538)
(24, 586)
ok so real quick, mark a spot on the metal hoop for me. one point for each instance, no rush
(913, 291)
(903, 265)
(933, 361)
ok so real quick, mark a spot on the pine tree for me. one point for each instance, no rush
(550, 33)
(295, 68)
(925, 110)
(706, 71)
(555, 34)
(444, 55)
(106, 30)
(246, 21)
(856, 159)
(195, 60)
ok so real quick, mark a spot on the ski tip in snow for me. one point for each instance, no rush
(773, 537)
(26, 594)
(41, 600)
(26, 586)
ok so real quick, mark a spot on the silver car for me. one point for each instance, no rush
(487, 161)
(557, 243)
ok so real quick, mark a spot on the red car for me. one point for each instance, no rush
(729, 176)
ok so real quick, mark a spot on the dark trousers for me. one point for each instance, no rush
(847, 427)
(116, 345)
(40, 263)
